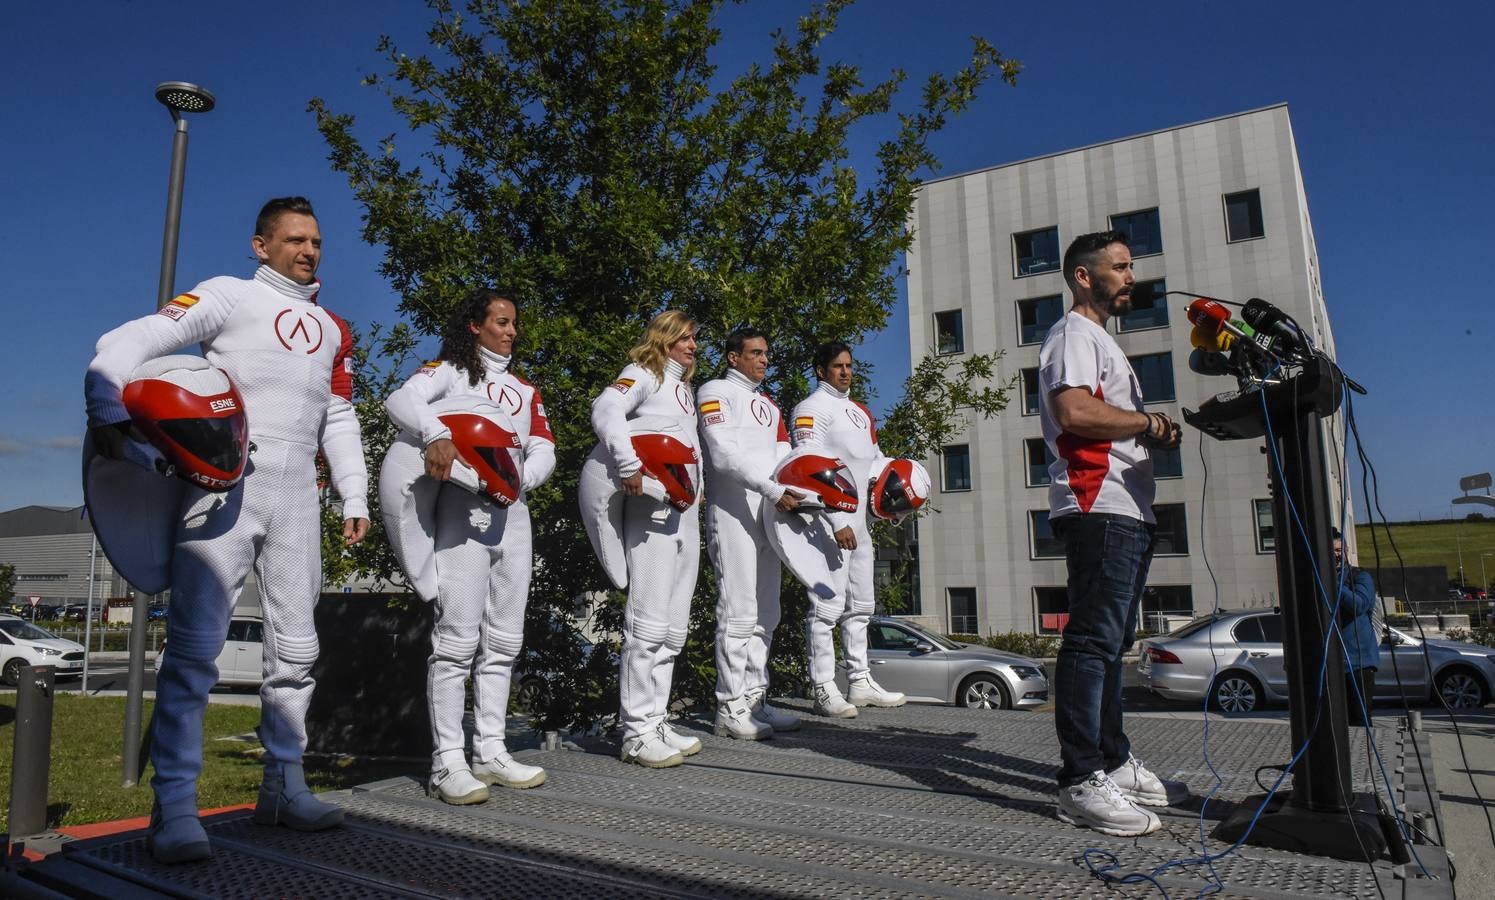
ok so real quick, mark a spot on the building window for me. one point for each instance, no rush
(1243, 216)
(949, 332)
(1172, 535)
(1036, 450)
(1030, 392)
(957, 468)
(1035, 317)
(1051, 609)
(1159, 601)
(1168, 463)
(1036, 251)
(1144, 232)
(1155, 374)
(1266, 532)
(963, 611)
(1044, 545)
(1149, 307)
(50, 576)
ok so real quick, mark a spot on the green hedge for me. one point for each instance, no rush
(1037, 646)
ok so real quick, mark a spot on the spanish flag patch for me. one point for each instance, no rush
(804, 421)
(623, 385)
(186, 300)
(178, 306)
(433, 364)
(711, 406)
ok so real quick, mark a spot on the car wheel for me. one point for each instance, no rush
(1461, 688)
(1236, 692)
(12, 673)
(984, 692)
(531, 694)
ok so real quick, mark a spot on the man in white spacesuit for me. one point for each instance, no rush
(292, 363)
(744, 436)
(831, 422)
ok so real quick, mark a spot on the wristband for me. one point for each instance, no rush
(1146, 429)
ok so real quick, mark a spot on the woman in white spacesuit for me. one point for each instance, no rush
(661, 540)
(478, 543)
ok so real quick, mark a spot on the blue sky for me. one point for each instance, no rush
(1391, 106)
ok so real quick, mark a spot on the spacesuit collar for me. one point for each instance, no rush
(495, 364)
(675, 369)
(741, 380)
(285, 286)
(828, 388)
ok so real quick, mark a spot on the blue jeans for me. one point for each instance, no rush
(1108, 556)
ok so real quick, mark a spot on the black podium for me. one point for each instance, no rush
(1321, 814)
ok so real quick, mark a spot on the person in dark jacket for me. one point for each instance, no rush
(1362, 648)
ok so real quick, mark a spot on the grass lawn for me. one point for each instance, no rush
(85, 772)
(1433, 544)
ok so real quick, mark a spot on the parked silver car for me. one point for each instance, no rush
(930, 668)
(1247, 648)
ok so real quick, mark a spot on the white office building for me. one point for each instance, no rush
(1216, 208)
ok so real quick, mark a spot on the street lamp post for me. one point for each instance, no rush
(93, 563)
(1482, 576)
(178, 97)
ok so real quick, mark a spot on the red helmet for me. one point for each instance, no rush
(191, 412)
(820, 478)
(672, 463)
(492, 452)
(901, 489)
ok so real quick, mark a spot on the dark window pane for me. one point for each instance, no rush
(1165, 600)
(1036, 251)
(1172, 535)
(1045, 544)
(1053, 609)
(1035, 317)
(1149, 307)
(1243, 216)
(255, 634)
(957, 468)
(1271, 628)
(1266, 533)
(949, 332)
(1248, 631)
(1144, 233)
(1030, 392)
(1155, 372)
(889, 637)
(1039, 460)
(963, 611)
(1168, 463)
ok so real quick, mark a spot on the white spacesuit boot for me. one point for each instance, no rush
(503, 770)
(734, 719)
(769, 715)
(452, 781)
(829, 702)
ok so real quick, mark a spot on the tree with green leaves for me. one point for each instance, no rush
(588, 156)
(7, 583)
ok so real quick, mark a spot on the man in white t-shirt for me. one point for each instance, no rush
(1100, 506)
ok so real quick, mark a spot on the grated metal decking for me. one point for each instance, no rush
(911, 802)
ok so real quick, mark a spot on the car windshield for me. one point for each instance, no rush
(24, 630)
(938, 640)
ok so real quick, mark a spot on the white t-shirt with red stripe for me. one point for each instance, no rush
(1089, 475)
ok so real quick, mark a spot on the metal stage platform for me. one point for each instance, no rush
(918, 801)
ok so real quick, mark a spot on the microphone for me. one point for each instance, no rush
(1270, 320)
(1211, 316)
(1208, 362)
(1214, 342)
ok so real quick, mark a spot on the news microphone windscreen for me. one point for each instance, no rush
(1209, 314)
(1206, 339)
(1205, 362)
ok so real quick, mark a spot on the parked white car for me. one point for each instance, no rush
(241, 662)
(22, 643)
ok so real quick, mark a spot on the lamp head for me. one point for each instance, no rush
(182, 96)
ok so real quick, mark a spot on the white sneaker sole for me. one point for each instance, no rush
(1112, 830)
(849, 713)
(471, 798)
(882, 704)
(1146, 799)
(668, 762)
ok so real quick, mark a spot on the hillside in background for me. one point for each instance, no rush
(1433, 544)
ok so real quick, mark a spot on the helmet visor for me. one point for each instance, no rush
(498, 460)
(835, 478)
(895, 498)
(682, 477)
(217, 442)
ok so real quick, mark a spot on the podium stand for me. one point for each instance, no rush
(1320, 815)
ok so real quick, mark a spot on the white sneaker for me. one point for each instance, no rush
(776, 719)
(734, 719)
(866, 692)
(1139, 785)
(684, 744)
(1098, 803)
(650, 751)
(829, 702)
(505, 771)
(457, 787)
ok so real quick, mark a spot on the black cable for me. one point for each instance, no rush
(1427, 659)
